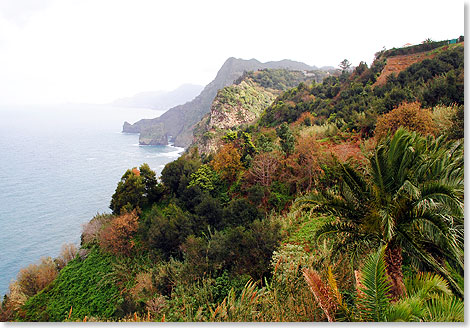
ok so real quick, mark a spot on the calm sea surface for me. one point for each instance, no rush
(59, 166)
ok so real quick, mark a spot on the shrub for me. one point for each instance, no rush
(442, 117)
(227, 162)
(408, 115)
(67, 254)
(36, 277)
(91, 230)
(168, 229)
(143, 286)
(117, 236)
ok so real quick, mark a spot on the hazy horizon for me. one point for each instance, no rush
(67, 51)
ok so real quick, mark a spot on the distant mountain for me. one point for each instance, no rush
(178, 122)
(161, 100)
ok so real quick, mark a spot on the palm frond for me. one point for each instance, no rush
(376, 300)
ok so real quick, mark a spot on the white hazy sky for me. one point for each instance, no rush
(54, 51)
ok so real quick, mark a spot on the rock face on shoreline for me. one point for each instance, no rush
(180, 121)
(154, 135)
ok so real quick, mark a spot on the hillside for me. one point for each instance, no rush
(242, 103)
(332, 201)
(179, 121)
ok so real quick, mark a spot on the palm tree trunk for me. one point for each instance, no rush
(393, 260)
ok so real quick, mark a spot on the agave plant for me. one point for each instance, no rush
(410, 200)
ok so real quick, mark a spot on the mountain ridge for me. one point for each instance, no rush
(179, 121)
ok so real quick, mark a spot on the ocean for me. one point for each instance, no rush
(59, 166)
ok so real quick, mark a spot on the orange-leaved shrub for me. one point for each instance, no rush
(409, 115)
(227, 162)
(36, 277)
(116, 237)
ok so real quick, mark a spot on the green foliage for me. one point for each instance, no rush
(168, 228)
(278, 79)
(137, 188)
(413, 198)
(82, 286)
(287, 139)
(205, 178)
(241, 212)
(435, 81)
(264, 143)
(375, 299)
(176, 175)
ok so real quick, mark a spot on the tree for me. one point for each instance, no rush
(137, 188)
(128, 193)
(287, 139)
(177, 174)
(153, 190)
(412, 202)
(344, 65)
(263, 168)
(227, 162)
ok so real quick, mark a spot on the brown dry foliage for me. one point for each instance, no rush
(13, 302)
(156, 305)
(227, 162)
(143, 285)
(263, 168)
(302, 168)
(323, 294)
(304, 116)
(408, 115)
(91, 230)
(117, 235)
(36, 277)
(347, 151)
(67, 254)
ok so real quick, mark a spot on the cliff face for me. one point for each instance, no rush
(154, 135)
(180, 121)
(235, 105)
(242, 104)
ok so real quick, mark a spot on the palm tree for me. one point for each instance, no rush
(411, 199)
(428, 296)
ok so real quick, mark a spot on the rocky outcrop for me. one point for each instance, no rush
(153, 135)
(180, 121)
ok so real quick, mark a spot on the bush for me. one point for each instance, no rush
(91, 230)
(117, 235)
(168, 229)
(67, 254)
(408, 115)
(36, 277)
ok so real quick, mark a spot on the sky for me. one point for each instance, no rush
(95, 51)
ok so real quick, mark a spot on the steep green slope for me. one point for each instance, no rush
(81, 287)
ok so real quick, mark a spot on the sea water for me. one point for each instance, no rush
(59, 166)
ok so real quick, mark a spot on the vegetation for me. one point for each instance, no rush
(343, 201)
